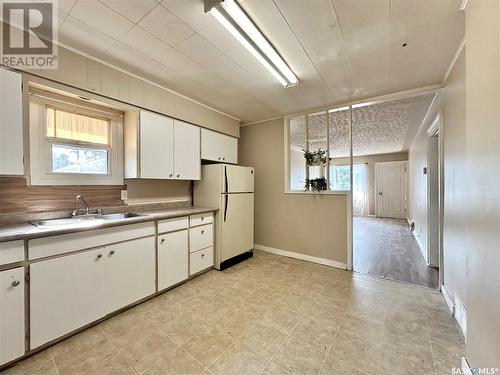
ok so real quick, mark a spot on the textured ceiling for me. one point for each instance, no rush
(376, 129)
(340, 49)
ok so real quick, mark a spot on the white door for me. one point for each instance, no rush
(391, 189)
(173, 255)
(237, 179)
(129, 272)
(11, 123)
(237, 224)
(156, 145)
(11, 314)
(187, 160)
(218, 147)
(65, 294)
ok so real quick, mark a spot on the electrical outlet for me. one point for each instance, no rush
(124, 195)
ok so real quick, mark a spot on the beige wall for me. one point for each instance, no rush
(154, 191)
(309, 224)
(370, 160)
(481, 186)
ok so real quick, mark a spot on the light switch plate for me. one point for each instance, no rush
(124, 195)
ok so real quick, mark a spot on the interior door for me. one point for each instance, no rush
(237, 224)
(391, 189)
(187, 159)
(12, 332)
(237, 179)
(156, 145)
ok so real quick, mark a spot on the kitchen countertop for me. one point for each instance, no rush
(26, 231)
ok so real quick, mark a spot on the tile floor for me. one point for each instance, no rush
(386, 248)
(268, 315)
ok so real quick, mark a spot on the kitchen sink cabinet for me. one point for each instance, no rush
(71, 291)
(12, 333)
(159, 147)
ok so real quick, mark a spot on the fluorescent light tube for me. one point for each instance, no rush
(278, 66)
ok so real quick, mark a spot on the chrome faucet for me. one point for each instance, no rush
(78, 199)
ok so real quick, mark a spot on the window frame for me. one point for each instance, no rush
(286, 128)
(41, 165)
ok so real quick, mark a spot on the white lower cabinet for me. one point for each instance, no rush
(71, 291)
(201, 260)
(172, 258)
(130, 272)
(65, 294)
(12, 334)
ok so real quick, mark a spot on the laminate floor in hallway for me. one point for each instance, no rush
(268, 315)
(386, 248)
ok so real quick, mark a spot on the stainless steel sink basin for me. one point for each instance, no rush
(120, 216)
(68, 222)
(85, 220)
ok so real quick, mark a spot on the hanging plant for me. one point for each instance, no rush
(316, 184)
(315, 158)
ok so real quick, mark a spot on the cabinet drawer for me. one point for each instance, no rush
(11, 252)
(200, 237)
(201, 260)
(170, 225)
(200, 219)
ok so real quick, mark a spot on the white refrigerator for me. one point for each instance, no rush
(230, 188)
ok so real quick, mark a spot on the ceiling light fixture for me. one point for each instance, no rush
(238, 23)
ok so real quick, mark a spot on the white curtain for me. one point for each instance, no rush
(360, 190)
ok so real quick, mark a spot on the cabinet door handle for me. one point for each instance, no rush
(99, 256)
(202, 218)
(178, 175)
(202, 255)
(223, 158)
(162, 240)
(219, 157)
(203, 231)
(170, 175)
(15, 283)
(112, 252)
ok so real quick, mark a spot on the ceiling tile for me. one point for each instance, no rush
(79, 35)
(144, 42)
(189, 11)
(102, 18)
(180, 62)
(166, 26)
(132, 9)
(314, 22)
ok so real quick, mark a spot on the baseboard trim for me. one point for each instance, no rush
(309, 258)
(448, 299)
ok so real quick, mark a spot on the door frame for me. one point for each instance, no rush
(377, 178)
(435, 130)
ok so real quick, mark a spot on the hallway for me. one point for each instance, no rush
(386, 248)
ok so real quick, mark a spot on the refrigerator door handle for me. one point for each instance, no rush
(226, 197)
(225, 179)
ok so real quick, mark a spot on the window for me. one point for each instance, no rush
(79, 143)
(74, 142)
(326, 133)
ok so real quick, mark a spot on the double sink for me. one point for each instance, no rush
(83, 220)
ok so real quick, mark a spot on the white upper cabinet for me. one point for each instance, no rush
(159, 147)
(218, 147)
(187, 161)
(156, 144)
(11, 123)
